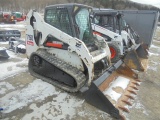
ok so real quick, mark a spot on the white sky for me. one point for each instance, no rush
(150, 2)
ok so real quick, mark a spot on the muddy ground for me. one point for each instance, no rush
(25, 97)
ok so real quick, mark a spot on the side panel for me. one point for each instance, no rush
(143, 22)
(31, 45)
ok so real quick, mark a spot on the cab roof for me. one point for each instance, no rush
(67, 5)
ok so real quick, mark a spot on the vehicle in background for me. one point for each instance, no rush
(17, 45)
(19, 16)
(123, 41)
(6, 34)
(7, 18)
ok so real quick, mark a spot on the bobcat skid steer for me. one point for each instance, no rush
(63, 51)
(123, 41)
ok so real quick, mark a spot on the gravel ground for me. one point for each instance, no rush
(25, 97)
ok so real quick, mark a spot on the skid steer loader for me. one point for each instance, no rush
(123, 41)
(63, 51)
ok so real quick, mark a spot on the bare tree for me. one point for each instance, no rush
(39, 5)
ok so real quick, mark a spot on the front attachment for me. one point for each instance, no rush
(3, 54)
(142, 51)
(137, 59)
(113, 90)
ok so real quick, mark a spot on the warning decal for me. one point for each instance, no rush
(30, 40)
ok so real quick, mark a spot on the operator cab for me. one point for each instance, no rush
(73, 19)
(109, 19)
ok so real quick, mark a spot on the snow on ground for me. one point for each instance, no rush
(139, 105)
(11, 26)
(4, 43)
(12, 55)
(154, 46)
(155, 54)
(155, 63)
(62, 105)
(12, 68)
(2, 48)
(37, 90)
(153, 66)
(5, 86)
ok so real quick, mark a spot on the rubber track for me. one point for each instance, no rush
(72, 71)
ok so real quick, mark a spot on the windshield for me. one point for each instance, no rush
(59, 18)
(83, 24)
(106, 21)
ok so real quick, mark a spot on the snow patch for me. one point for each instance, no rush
(21, 46)
(9, 26)
(12, 68)
(155, 63)
(37, 90)
(154, 46)
(152, 68)
(5, 86)
(155, 54)
(121, 82)
(62, 107)
(13, 55)
(2, 48)
(138, 105)
(4, 43)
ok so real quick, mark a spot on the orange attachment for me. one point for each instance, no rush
(56, 45)
(97, 33)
